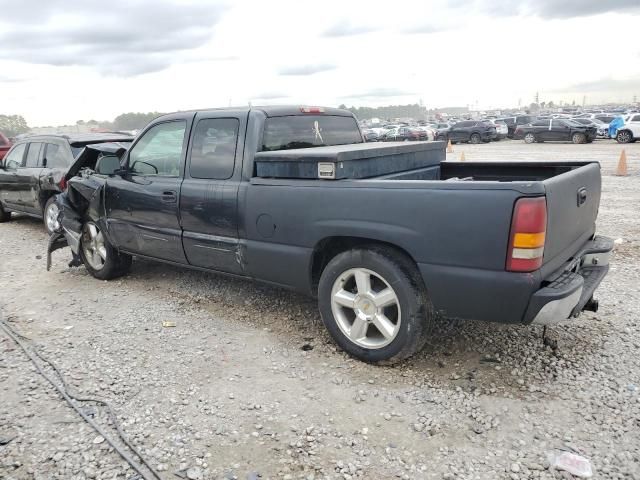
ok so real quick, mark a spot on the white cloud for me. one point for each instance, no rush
(169, 55)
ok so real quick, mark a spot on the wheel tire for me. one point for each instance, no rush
(4, 215)
(50, 215)
(414, 311)
(475, 138)
(578, 138)
(114, 265)
(529, 138)
(624, 136)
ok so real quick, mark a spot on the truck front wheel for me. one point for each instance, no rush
(374, 304)
(101, 260)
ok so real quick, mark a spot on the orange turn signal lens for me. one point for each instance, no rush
(528, 240)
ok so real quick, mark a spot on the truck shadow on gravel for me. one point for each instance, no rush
(495, 359)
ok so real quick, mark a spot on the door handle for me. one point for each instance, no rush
(169, 197)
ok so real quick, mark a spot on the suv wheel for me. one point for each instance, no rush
(624, 136)
(374, 304)
(51, 213)
(475, 138)
(529, 138)
(4, 215)
(101, 260)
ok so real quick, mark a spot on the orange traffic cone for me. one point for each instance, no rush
(622, 164)
(462, 158)
(449, 147)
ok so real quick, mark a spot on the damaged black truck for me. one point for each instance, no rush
(385, 236)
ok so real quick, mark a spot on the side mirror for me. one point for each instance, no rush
(108, 165)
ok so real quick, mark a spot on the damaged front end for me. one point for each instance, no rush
(83, 200)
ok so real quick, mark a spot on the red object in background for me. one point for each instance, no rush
(5, 145)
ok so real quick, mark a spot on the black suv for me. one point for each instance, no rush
(472, 131)
(514, 122)
(33, 172)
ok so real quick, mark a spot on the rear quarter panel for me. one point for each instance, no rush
(457, 225)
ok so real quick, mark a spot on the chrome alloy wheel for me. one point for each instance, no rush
(366, 308)
(93, 246)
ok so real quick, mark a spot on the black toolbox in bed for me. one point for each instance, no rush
(359, 160)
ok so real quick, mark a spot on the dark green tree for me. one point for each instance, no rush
(12, 125)
(133, 120)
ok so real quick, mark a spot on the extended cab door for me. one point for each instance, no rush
(142, 204)
(209, 193)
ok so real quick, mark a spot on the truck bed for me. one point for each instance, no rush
(454, 218)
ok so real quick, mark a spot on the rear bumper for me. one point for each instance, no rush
(509, 297)
(566, 293)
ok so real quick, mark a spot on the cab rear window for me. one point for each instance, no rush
(305, 131)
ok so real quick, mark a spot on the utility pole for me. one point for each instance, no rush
(537, 98)
(584, 100)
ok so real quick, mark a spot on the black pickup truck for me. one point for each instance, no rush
(385, 245)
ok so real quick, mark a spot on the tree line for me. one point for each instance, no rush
(12, 125)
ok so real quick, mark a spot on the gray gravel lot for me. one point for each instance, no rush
(249, 385)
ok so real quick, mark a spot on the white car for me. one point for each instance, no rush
(630, 130)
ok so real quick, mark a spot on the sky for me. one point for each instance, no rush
(68, 60)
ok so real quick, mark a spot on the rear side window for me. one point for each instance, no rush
(14, 158)
(304, 131)
(33, 154)
(541, 123)
(635, 118)
(55, 156)
(214, 148)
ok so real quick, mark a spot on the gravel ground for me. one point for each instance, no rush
(248, 385)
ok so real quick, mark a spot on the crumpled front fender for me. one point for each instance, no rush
(82, 202)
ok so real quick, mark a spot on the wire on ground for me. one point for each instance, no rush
(63, 390)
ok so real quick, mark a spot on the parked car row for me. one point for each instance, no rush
(567, 127)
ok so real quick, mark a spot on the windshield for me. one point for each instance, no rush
(304, 131)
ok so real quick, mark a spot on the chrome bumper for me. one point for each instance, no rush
(568, 292)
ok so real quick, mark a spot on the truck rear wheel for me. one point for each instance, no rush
(100, 259)
(374, 304)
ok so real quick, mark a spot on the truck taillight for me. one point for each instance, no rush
(527, 236)
(63, 184)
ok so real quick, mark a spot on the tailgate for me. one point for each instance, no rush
(573, 199)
